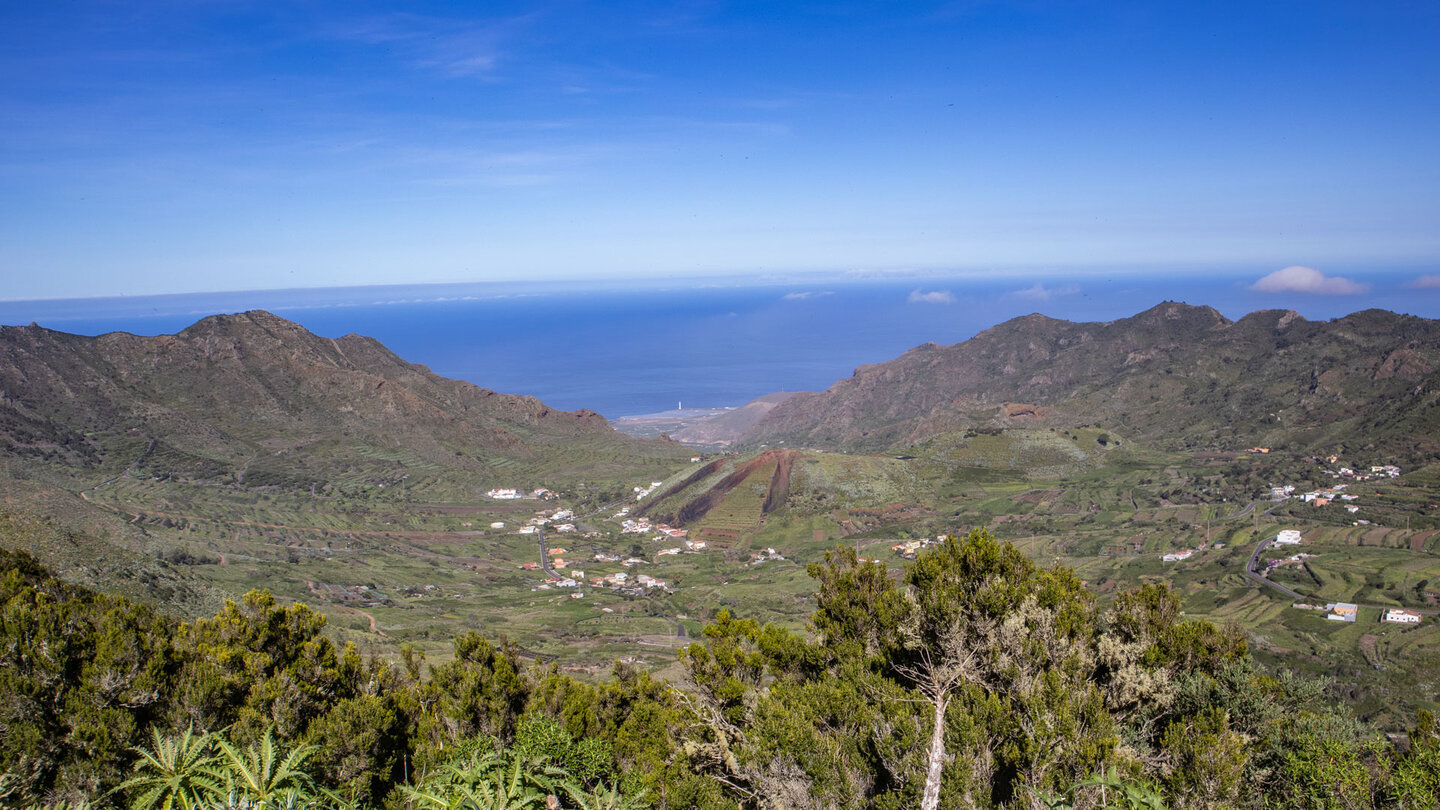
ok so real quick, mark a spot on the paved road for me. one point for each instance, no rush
(545, 554)
(1250, 507)
(1253, 563)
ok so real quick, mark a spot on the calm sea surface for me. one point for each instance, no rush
(645, 349)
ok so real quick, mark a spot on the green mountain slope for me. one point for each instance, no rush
(1177, 376)
(258, 400)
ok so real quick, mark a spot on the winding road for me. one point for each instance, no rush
(1253, 563)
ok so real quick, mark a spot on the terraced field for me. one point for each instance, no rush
(416, 562)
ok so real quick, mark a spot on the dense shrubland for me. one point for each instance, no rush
(975, 680)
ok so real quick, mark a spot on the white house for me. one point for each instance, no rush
(1401, 616)
(1288, 537)
(1178, 556)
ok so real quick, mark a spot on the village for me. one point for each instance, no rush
(605, 568)
(621, 551)
(1335, 493)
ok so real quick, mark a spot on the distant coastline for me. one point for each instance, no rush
(634, 351)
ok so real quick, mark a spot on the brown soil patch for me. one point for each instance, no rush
(1215, 458)
(1419, 539)
(1368, 644)
(779, 483)
(699, 507)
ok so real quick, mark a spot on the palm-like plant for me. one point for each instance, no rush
(265, 776)
(491, 780)
(179, 772)
(604, 797)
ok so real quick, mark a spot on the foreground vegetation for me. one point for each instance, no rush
(976, 680)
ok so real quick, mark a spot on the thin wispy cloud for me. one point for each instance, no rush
(450, 48)
(1426, 283)
(1039, 292)
(934, 297)
(807, 294)
(1298, 278)
(464, 165)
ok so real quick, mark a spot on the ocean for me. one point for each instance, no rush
(639, 348)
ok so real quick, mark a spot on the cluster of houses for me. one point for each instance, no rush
(533, 524)
(1286, 537)
(1376, 471)
(641, 492)
(1318, 497)
(623, 582)
(644, 526)
(910, 548)
(1336, 492)
(1349, 612)
(765, 554)
(512, 494)
(559, 582)
(601, 556)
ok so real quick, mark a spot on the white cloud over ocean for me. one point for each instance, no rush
(934, 297)
(1298, 278)
(1039, 292)
(806, 294)
(1426, 283)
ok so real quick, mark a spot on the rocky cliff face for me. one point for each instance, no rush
(1176, 375)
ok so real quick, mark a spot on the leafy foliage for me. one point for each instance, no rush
(976, 680)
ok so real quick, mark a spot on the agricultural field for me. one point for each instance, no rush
(416, 562)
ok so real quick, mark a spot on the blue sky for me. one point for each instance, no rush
(201, 145)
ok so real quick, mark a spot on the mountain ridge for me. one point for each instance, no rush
(232, 387)
(1176, 374)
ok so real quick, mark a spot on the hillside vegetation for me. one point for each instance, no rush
(257, 401)
(1175, 376)
(246, 453)
(977, 680)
